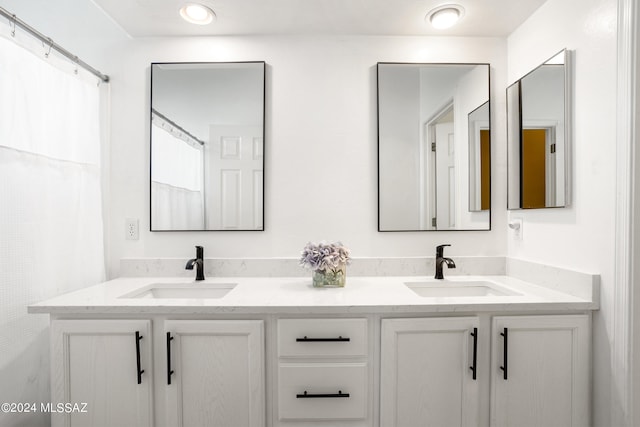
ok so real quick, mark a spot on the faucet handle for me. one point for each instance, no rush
(440, 250)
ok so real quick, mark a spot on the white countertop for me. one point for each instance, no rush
(282, 295)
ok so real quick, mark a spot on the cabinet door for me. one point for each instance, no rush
(426, 378)
(218, 373)
(546, 382)
(95, 362)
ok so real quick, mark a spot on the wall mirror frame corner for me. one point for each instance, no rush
(539, 136)
(434, 146)
(207, 132)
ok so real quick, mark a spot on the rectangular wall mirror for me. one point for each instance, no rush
(434, 147)
(207, 146)
(538, 136)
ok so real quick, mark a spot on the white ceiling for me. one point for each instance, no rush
(148, 18)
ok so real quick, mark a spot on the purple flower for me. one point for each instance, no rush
(324, 256)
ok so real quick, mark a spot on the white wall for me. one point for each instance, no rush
(321, 145)
(580, 237)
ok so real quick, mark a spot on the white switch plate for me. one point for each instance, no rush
(131, 229)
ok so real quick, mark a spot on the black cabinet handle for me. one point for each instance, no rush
(505, 354)
(306, 395)
(169, 370)
(474, 334)
(339, 339)
(140, 371)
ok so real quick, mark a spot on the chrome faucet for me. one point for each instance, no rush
(440, 259)
(198, 261)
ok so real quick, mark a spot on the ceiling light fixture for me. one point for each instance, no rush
(197, 13)
(445, 16)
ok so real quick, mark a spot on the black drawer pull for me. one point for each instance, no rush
(140, 371)
(306, 395)
(505, 352)
(169, 370)
(307, 339)
(474, 334)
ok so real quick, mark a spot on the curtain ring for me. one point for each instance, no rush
(13, 21)
(46, 55)
(75, 60)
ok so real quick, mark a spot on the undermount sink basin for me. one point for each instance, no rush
(467, 288)
(182, 290)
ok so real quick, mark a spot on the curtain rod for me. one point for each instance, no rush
(175, 125)
(49, 42)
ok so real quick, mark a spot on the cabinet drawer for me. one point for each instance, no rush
(334, 391)
(322, 337)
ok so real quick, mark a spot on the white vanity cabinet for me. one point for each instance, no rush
(428, 372)
(205, 372)
(540, 371)
(538, 375)
(104, 367)
(323, 372)
(214, 373)
(274, 353)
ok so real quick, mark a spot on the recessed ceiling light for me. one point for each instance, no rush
(197, 13)
(445, 16)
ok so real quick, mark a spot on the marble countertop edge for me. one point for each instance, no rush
(295, 295)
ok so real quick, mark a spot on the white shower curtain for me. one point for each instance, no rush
(177, 193)
(51, 229)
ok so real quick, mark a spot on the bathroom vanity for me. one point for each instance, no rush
(382, 351)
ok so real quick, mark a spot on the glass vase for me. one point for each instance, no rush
(331, 277)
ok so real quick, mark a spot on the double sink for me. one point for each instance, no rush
(448, 288)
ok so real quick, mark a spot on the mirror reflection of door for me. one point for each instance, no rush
(538, 167)
(445, 170)
(485, 169)
(533, 168)
(479, 159)
(234, 169)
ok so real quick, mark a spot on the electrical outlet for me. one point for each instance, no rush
(131, 229)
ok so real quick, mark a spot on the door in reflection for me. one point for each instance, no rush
(485, 169)
(446, 176)
(533, 168)
(234, 171)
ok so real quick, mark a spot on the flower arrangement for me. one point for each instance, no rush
(328, 262)
(324, 256)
